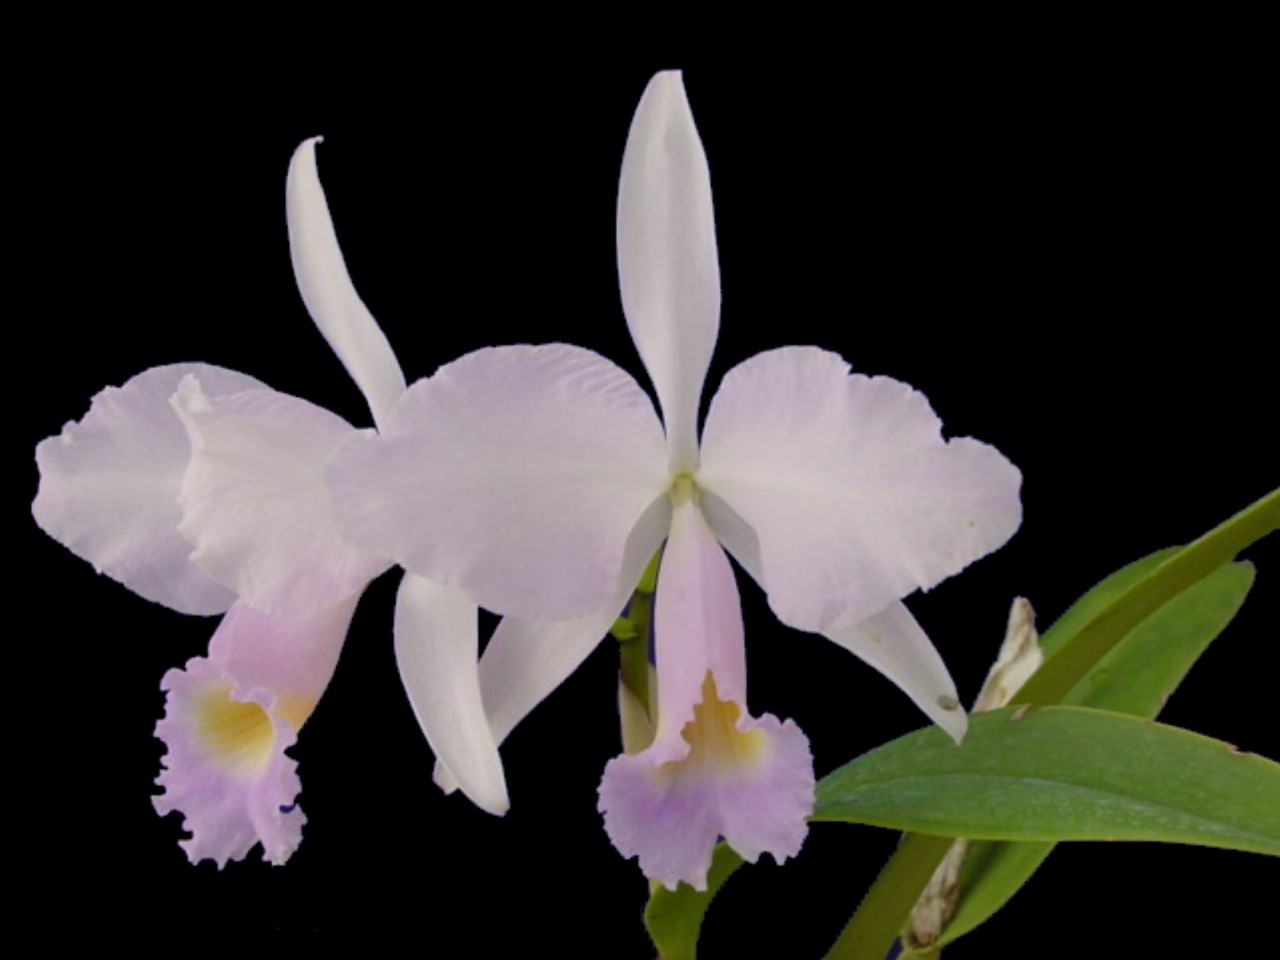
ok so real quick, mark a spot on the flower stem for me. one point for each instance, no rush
(884, 910)
(632, 632)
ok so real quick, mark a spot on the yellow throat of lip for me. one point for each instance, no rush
(241, 733)
(717, 747)
(235, 732)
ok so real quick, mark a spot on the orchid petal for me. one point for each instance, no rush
(230, 716)
(525, 660)
(255, 504)
(667, 263)
(327, 290)
(712, 770)
(514, 473)
(894, 643)
(436, 649)
(855, 498)
(109, 487)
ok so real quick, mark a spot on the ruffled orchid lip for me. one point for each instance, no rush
(712, 770)
(230, 717)
(748, 781)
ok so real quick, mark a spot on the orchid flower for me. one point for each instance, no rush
(540, 480)
(201, 489)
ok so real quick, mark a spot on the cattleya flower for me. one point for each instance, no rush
(540, 480)
(202, 489)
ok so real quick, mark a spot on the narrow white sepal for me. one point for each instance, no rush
(525, 660)
(895, 644)
(327, 290)
(668, 269)
(437, 650)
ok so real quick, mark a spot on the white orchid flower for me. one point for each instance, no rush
(541, 481)
(202, 489)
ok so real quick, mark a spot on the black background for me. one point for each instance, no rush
(1061, 242)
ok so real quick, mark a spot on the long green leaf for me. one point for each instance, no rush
(1071, 662)
(1167, 577)
(674, 917)
(1063, 773)
(1135, 678)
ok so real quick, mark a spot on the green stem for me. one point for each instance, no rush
(634, 650)
(885, 909)
(636, 702)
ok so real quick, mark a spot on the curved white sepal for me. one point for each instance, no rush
(895, 644)
(437, 650)
(327, 290)
(526, 660)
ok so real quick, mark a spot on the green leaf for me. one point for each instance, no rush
(1136, 597)
(1097, 600)
(1136, 677)
(1062, 773)
(1141, 671)
(1070, 662)
(674, 917)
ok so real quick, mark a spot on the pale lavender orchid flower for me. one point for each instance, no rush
(541, 481)
(201, 489)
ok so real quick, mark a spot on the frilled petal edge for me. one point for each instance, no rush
(230, 717)
(747, 780)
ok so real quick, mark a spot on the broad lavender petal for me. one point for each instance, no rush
(514, 473)
(846, 481)
(109, 487)
(230, 716)
(891, 641)
(255, 504)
